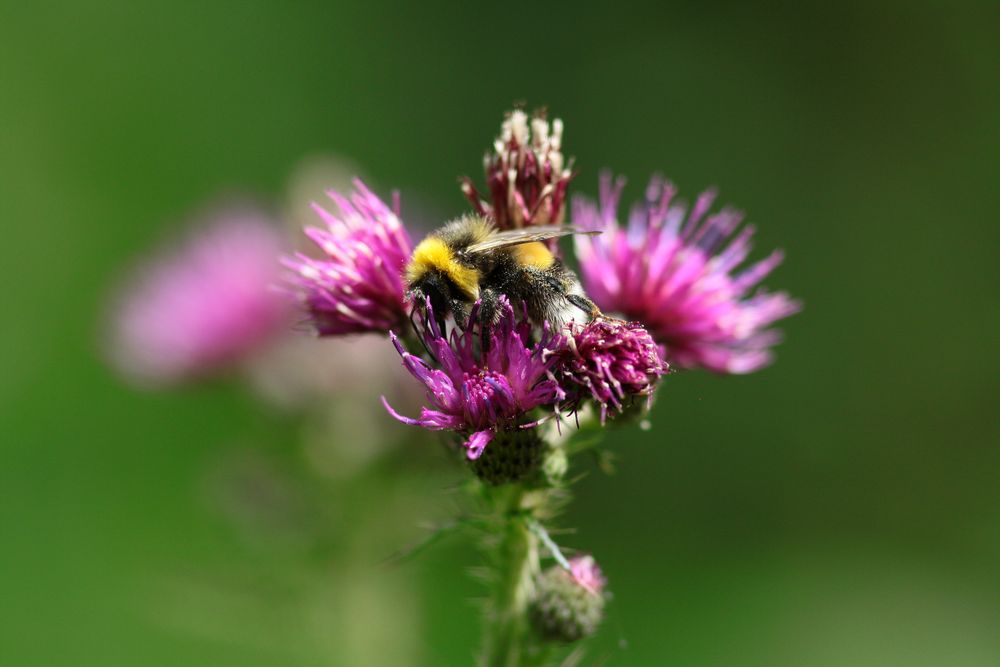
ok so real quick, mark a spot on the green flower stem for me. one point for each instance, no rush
(509, 640)
(515, 539)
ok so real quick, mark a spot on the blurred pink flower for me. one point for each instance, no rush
(673, 271)
(203, 307)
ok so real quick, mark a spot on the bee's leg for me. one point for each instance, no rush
(489, 312)
(460, 312)
(489, 306)
(584, 304)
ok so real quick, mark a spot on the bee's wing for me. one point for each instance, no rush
(526, 235)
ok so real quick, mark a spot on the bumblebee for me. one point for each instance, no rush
(469, 260)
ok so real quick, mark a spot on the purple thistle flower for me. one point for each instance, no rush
(480, 394)
(357, 286)
(610, 361)
(673, 270)
(206, 306)
(526, 174)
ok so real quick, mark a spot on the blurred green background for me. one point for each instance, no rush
(839, 508)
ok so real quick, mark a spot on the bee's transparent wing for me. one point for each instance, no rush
(526, 235)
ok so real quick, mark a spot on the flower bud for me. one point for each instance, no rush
(569, 604)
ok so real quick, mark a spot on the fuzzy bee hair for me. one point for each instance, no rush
(469, 260)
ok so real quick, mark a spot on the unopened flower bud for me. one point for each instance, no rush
(569, 603)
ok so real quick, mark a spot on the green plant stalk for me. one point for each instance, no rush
(509, 639)
(515, 540)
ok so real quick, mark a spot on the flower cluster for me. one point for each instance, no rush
(491, 372)
(526, 175)
(671, 273)
(491, 378)
(674, 270)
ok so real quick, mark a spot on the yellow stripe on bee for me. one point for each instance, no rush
(533, 254)
(433, 254)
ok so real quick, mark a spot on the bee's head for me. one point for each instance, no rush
(435, 273)
(434, 287)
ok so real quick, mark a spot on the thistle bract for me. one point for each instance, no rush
(511, 456)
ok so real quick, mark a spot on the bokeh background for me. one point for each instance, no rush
(839, 508)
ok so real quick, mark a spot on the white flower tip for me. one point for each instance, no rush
(540, 131)
(519, 127)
